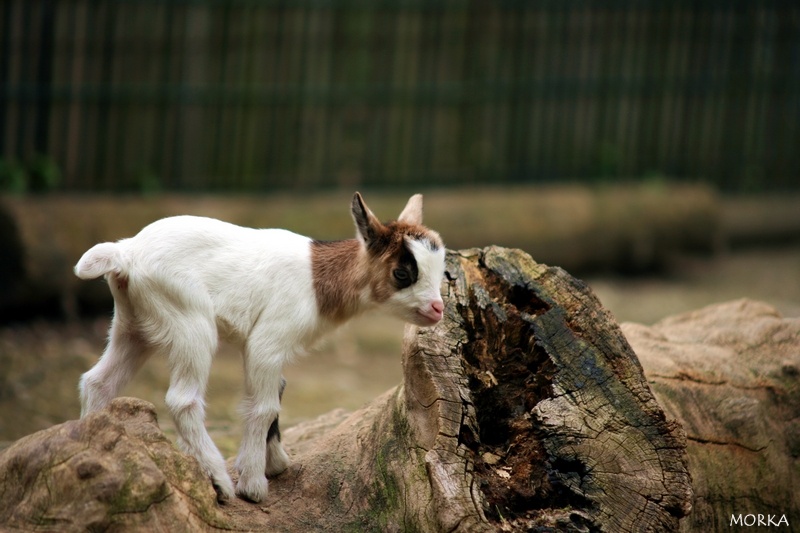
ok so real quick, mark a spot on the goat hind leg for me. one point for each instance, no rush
(124, 354)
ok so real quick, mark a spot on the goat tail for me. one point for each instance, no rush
(99, 260)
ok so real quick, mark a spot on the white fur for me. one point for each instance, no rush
(190, 279)
(184, 281)
(422, 304)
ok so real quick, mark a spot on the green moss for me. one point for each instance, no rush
(386, 503)
(127, 499)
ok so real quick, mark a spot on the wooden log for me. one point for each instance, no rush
(525, 408)
(730, 373)
(614, 228)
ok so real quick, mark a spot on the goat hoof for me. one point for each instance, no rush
(224, 490)
(277, 460)
(254, 489)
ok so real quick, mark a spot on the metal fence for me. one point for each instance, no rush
(252, 95)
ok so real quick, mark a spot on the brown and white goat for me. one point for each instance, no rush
(184, 282)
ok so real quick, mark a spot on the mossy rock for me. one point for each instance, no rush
(114, 469)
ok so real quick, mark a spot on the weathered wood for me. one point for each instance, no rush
(524, 408)
(730, 373)
(114, 470)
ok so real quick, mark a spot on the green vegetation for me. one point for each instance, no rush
(40, 174)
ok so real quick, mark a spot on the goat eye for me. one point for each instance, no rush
(400, 274)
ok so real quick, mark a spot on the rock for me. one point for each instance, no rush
(114, 469)
(728, 374)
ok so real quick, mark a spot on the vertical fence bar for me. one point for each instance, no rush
(20, 71)
(6, 42)
(785, 98)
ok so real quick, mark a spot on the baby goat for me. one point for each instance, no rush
(183, 282)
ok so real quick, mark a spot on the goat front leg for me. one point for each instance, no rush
(260, 409)
(277, 459)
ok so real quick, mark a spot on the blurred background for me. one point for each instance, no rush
(249, 95)
(652, 148)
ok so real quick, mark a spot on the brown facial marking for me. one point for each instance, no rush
(388, 251)
(405, 271)
(342, 269)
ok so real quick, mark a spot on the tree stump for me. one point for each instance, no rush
(524, 408)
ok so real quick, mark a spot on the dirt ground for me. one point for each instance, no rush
(768, 274)
(357, 363)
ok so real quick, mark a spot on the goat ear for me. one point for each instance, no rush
(367, 224)
(412, 213)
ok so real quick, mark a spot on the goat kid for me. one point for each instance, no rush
(185, 281)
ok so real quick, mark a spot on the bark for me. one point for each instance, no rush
(524, 409)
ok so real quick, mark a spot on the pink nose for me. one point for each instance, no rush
(438, 307)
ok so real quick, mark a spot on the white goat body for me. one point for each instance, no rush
(185, 281)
